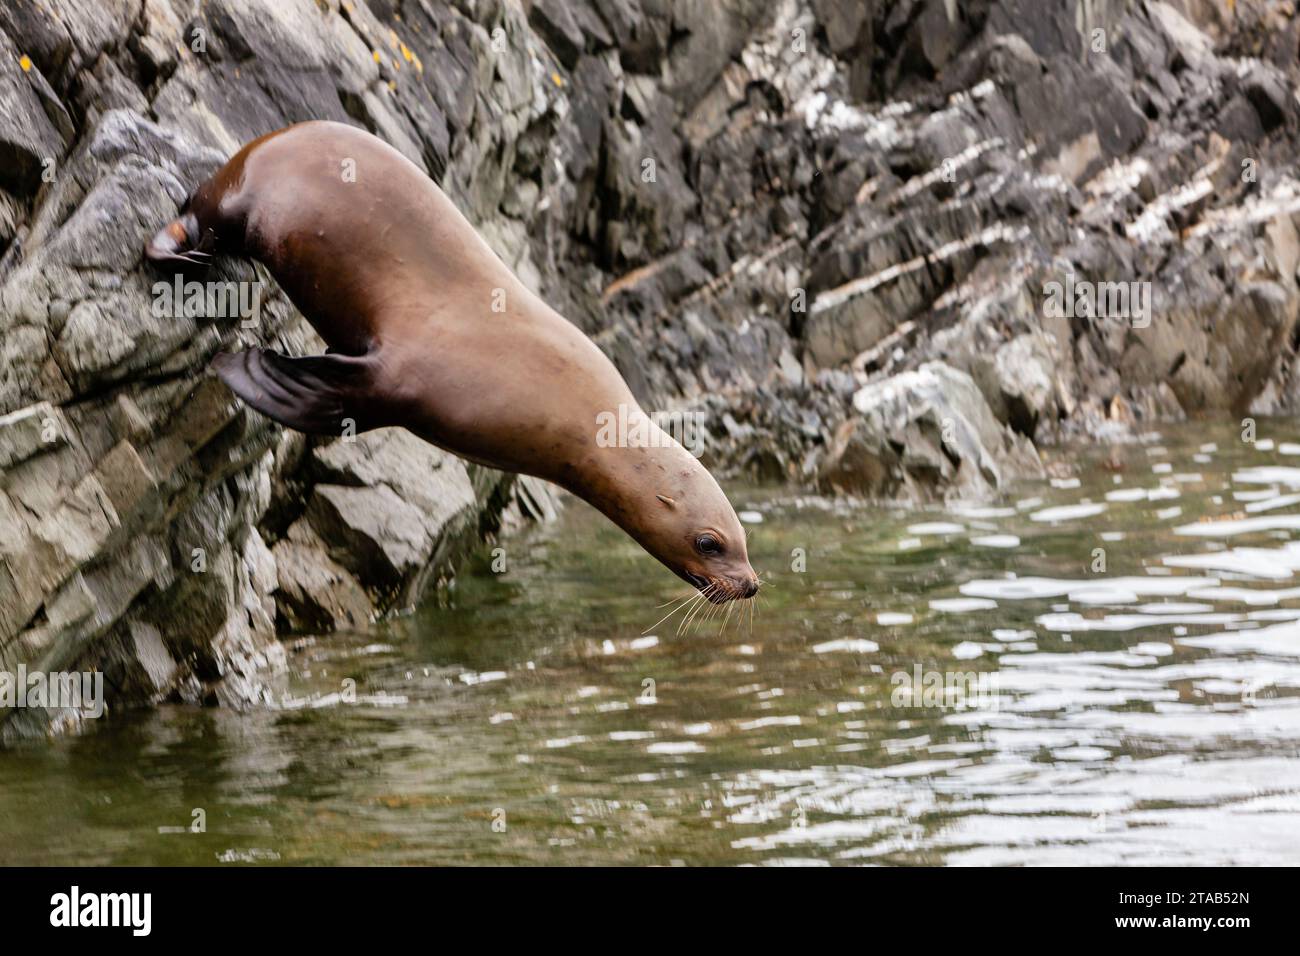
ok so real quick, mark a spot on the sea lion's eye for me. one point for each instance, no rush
(707, 544)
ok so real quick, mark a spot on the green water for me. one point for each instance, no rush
(1149, 713)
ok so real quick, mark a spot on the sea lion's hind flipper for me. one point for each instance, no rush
(317, 394)
(184, 240)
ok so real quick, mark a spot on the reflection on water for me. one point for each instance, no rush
(1104, 668)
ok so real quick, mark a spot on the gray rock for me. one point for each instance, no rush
(1019, 382)
(1192, 47)
(421, 474)
(380, 537)
(1265, 87)
(315, 594)
(840, 329)
(30, 146)
(925, 435)
(30, 431)
(393, 509)
(555, 23)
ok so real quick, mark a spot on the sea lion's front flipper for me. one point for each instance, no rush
(317, 394)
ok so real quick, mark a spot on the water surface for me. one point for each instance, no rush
(1123, 644)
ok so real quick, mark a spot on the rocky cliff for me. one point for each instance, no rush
(829, 225)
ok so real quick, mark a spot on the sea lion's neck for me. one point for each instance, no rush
(635, 472)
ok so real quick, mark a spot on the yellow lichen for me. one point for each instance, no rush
(557, 79)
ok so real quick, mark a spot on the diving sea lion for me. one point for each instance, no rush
(429, 330)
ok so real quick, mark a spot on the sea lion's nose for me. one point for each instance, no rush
(751, 587)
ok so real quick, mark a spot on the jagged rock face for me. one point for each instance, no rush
(1127, 148)
(777, 212)
(871, 186)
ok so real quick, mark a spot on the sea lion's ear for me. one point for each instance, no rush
(666, 500)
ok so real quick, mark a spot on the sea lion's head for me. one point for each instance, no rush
(662, 496)
(704, 543)
(685, 520)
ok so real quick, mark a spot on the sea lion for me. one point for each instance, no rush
(427, 329)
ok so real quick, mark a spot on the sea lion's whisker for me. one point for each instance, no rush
(693, 607)
(685, 602)
(714, 611)
(686, 619)
(686, 624)
(680, 604)
(726, 618)
(690, 593)
(684, 598)
(696, 610)
(684, 616)
(730, 606)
